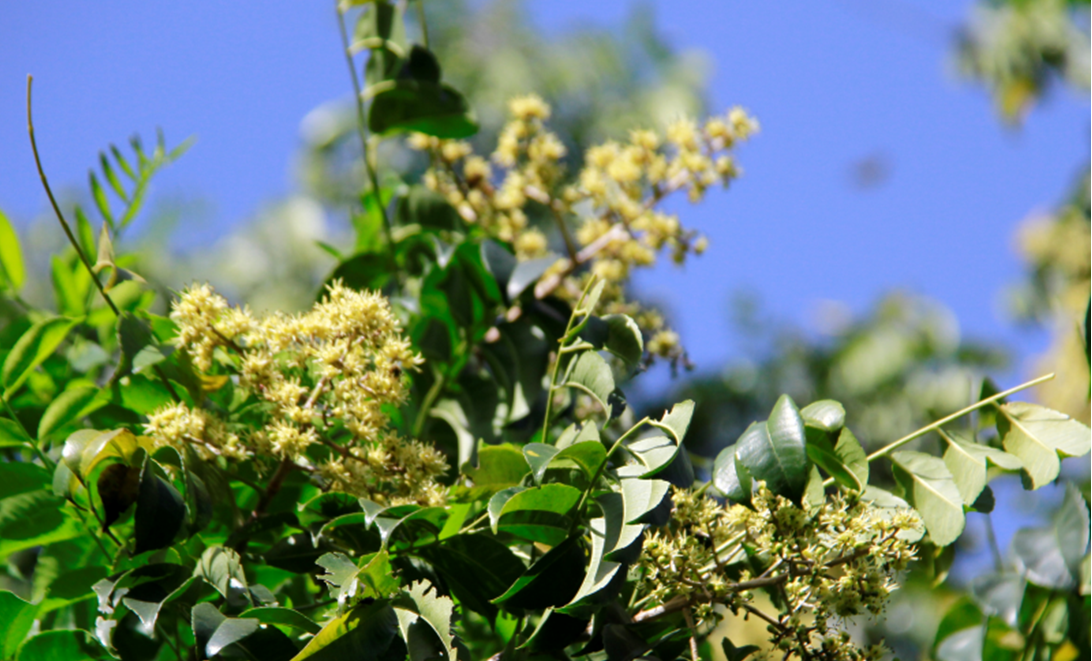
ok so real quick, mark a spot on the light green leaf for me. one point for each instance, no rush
(100, 199)
(422, 599)
(825, 414)
(591, 374)
(16, 619)
(589, 455)
(834, 467)
(364, 633)
(35, 345)
(1039, 436)
(12, 272)
(72, 404)
(932, 492)
(222, 568)
(70, 645)
(538, 457)
(34, 518)
(968, 462)
(640, 496)
(677, 420)
(608, 533)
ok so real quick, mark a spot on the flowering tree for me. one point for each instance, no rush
(437, 460)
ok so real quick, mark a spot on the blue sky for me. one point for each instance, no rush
(834, 84)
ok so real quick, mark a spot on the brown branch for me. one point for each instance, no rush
(272, 488)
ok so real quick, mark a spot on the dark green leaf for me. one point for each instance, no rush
(930, 489)
(609, 533)
(35, 345)
(160, 511)
(733, 653)
(552, 580)
(774, 451)
(478, 568)
(62, 646)
(16, 619)
(363, 272)
(834, 467)
(1039, 436)
(422, 599)
(72, 404)
(285, 617)
(555, 631)
(424, 206)
(34, 518)
(18, 477)
(426, 107)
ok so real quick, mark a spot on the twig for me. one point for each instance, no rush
(272, 488)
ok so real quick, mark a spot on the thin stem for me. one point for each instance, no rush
(995, 550)
(694, 654)
(72, 238)
(90, 532)
(272, 488)
(557, 360)
(362, 131)
(57, 208)
(887, 449)
(31, 440)
(423, 22)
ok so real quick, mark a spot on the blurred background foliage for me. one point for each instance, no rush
(895, 368)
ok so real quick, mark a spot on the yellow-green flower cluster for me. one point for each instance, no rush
(325, 377)
(826, 563)
(607, 214)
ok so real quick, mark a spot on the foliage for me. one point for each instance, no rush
(437, 460)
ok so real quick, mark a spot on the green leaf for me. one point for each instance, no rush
(609, 533)
(11, 434)
(112, 177)
(364, 633)
(1040, 556)
(640, 496)
(478, 568)
(499, 467)
(34, 518)
(963, 645)
(100, 199)
(825, 414)
(12, 272)
(552, 580)
(160, 511)
(527, 274)
(423, 106)
(34, 346)
(1000, 595)
(774, 451)
(16, 619)
(1039, 436)
(539, 456)
(539, 514)
(68, 645)
(677, 420)
(962, 614)
(17, 477)
(592, 375)
(423, 206)
(222, 568)
(624, 339)
(1071, 525)
(589, 455)
(214, 631)
(834, 467)
(733, 653)
(933, 493)
(422, 599)
(72, 404)
(362, 272)
(968, 462)
(285, 617)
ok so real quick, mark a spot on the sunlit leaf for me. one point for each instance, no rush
(1039, 436)
(933, 493)
(12, 272)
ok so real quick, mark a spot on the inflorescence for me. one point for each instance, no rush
(328, 377)
(825, 563)
(612, 202)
